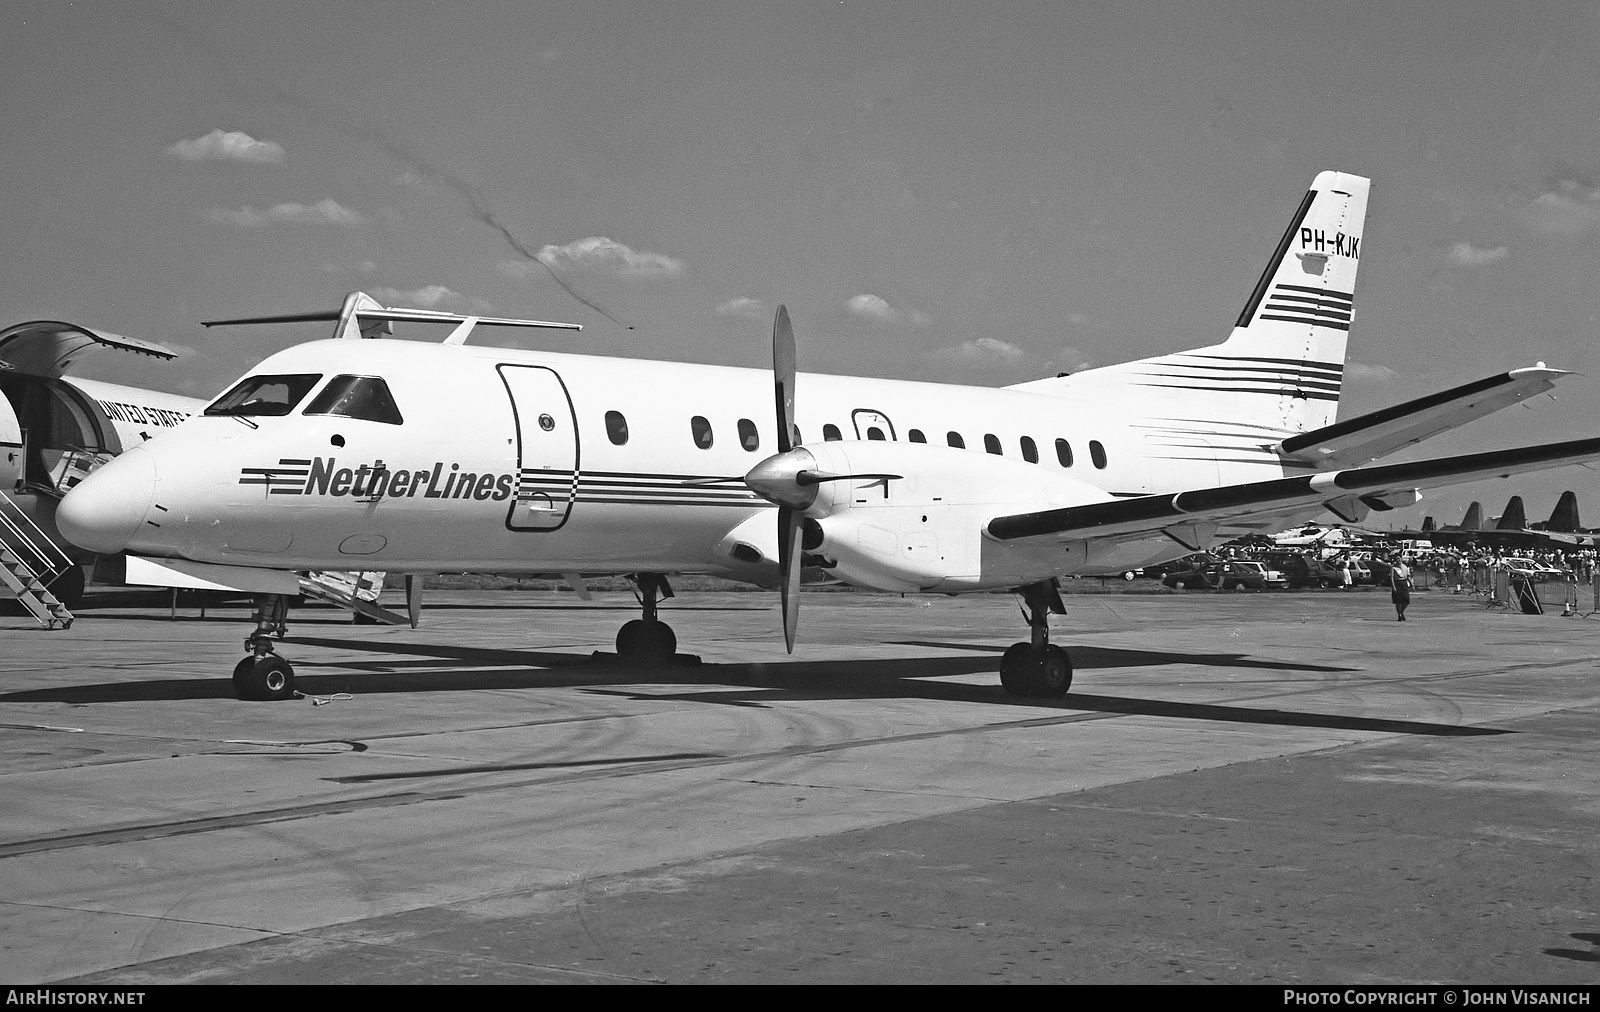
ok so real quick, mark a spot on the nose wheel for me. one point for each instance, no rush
(648, 640)
(264, 676)
(1037, 668)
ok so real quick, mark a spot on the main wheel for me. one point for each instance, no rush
(646, 642)
(1016, 669)
(265, 678)
(1054, 672)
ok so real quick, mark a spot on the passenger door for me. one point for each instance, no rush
(872, 424)
(547, 448)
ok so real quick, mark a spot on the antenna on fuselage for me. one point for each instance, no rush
(361, 316)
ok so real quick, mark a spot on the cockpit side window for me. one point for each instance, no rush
(264, 395)
(365, 397)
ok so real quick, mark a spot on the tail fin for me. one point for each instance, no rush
(1564, 518)
(1514, 518)
(1473, 519)
(1283, 367)
(1427, 525)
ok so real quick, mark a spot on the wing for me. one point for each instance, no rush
(1367, 437)
(1256, 506)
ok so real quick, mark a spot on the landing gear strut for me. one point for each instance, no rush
(1037, 668)
(264, 675)
(647, 640)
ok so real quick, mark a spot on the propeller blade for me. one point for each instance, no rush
(789, 572)
(818, 477)
(783, 377)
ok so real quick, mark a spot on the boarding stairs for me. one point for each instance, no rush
(29, 562)
(355, 591)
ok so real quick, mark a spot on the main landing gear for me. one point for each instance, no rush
(264, 675)
(647, 640)
(1037, 668)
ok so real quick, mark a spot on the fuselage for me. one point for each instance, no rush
(510, 460)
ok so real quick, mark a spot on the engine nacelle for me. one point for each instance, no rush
(925, 531)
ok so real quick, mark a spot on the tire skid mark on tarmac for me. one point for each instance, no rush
(1108, 708)
(637, 766)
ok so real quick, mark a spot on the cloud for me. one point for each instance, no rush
(426, 297)
(323, 212)
(236, 146)
(599, 255)
(1568, 208)
(1467, 255)
(984, 351)
(870, 307)
(743, 306)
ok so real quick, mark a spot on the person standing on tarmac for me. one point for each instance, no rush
(1399, 587)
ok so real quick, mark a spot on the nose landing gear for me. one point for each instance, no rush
(647, 640)
(1038, 668)
(264, 675)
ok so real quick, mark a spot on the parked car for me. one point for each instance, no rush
(1219, 575)
(1303, 570)
(1532, 569)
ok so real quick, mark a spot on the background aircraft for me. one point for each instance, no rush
(55, 430)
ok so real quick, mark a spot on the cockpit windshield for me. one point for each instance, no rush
(365, 397)
(264, 395)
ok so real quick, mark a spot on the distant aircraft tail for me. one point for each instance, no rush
(1514, 518)
(1427, 525)
(1564, 518)
(1283, 367)
(1473, 520)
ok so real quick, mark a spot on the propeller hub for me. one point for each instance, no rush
(777, 479)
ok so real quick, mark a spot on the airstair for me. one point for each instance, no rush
(29, 562)
(355, 591)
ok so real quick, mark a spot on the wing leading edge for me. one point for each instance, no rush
(1348, 493)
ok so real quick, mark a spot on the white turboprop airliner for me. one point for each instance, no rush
(417, 458)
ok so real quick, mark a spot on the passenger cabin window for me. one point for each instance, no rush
(916, 436)
(616, 428)
(264, 395)
(749, 438)
(991, 442)
(1030, 452)
(365, 397)
(1064, 452)
(702, 431)
(1097, 453)
(830, 432)
(955, 440)
(873, 432)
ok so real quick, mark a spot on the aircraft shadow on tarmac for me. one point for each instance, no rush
(752, 685)
(1590, 955)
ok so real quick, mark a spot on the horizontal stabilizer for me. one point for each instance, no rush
(47, 347)
(1367, 437)
(1348, 493)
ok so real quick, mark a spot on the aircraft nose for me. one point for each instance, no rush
(103, 511)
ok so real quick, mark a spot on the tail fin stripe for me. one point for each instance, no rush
(1346, 296)
(1243, 368)
(1305, 392)
(1314, 322)
(1277, 257)
(1333, 367)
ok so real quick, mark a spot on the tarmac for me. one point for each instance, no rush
(1283, 787)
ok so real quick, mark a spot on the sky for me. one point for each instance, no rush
(970, 193)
